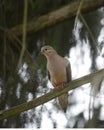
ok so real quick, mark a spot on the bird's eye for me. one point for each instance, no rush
(45, 49)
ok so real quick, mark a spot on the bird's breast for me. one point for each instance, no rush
(57, 73)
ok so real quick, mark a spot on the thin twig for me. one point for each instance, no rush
(89, 31)
(24, 32)
(4, 58)
(77, 15)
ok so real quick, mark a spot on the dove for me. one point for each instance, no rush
(59, 72)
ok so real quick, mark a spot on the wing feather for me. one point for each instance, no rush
(48, 75)
(68, 73)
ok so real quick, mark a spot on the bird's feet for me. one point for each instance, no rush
(60, 85)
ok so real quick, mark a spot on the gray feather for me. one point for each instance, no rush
(68, 73)
(48, 75)
(63, 99)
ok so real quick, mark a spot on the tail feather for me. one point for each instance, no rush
(63, 101)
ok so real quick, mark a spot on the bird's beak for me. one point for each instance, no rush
(42, 51)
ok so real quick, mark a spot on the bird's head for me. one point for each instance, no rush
(48, 51)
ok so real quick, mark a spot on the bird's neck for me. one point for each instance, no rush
(52, 57)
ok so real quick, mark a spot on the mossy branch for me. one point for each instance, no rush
(51, 95)
(57, 16)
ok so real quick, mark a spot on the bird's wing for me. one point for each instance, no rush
(68, 72)
(48, 74)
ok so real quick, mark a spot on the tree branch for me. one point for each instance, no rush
(57, 16)
(49, 96)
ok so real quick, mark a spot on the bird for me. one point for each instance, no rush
(59, 72)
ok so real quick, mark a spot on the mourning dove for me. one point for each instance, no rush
(59, 72)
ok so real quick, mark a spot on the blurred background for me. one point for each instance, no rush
(84, 51)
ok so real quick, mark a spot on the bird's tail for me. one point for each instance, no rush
(63, 101)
